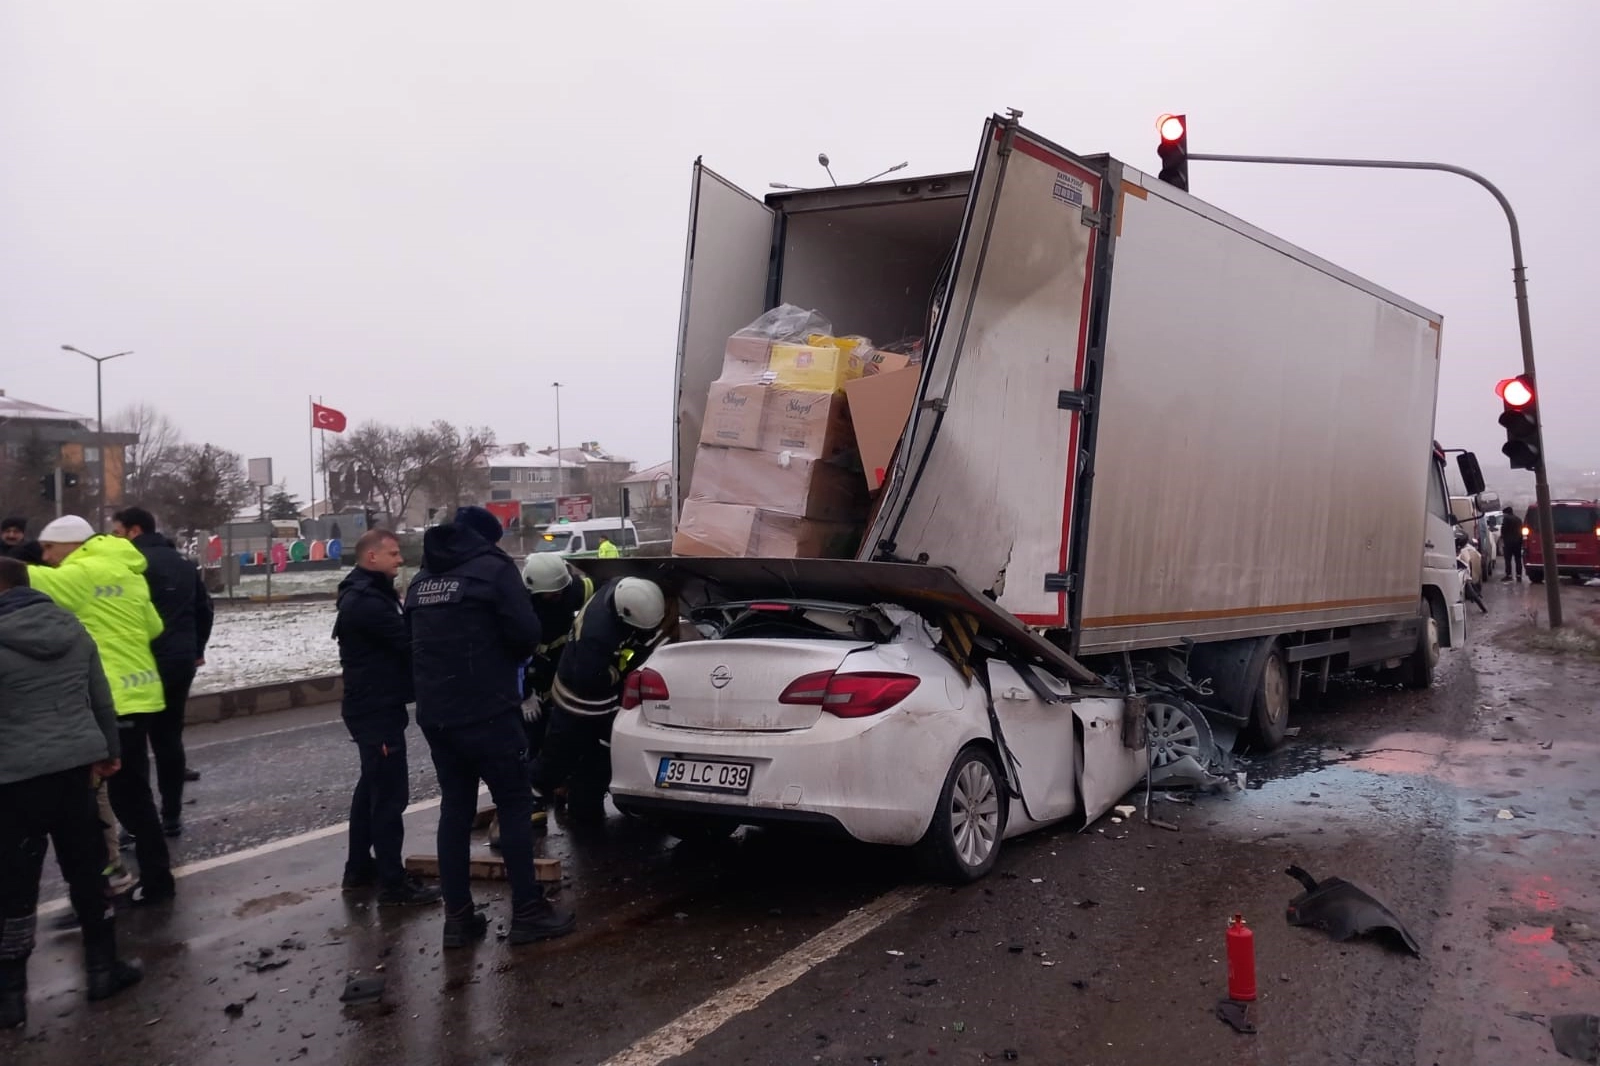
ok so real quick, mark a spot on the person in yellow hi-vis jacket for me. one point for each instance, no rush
(607, 550)
(100, 579)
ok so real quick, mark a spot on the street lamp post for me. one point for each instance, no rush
(1519, 282)
(99, 429)
(561, 481)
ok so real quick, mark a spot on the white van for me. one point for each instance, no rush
(583, 538)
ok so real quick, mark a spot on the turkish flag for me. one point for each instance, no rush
(327, 418)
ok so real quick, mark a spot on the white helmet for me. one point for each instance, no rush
(546, 572)
(640, 602)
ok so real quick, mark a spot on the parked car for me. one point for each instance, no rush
(1576, 525)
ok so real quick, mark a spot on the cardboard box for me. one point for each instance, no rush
(783, 482)
(810, 424)
(744, 359)
(734, 415)
(812, 369)
(877, 362)
(880, 405)
(730, 530)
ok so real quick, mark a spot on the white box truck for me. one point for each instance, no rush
(1143, 425)
(1162, 468)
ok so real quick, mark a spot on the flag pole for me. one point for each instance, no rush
(323, 434)
(311, 458)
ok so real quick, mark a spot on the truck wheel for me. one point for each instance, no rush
(963, 842)
(1269, 711)
(1536, 574)
(1418, 669)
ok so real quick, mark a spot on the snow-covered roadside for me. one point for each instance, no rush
(258, 645)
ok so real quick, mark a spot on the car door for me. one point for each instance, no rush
(1037, 737)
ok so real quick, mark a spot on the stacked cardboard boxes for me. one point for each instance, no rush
(776, 474)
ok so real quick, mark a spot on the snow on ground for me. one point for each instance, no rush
(290, 583)
(258, 644)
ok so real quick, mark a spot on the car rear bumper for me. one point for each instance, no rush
(878, 779)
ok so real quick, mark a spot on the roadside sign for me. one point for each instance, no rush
(575, 508)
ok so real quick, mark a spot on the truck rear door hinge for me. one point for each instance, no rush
(1093, 219)
(1068, 400)
(1062, 582)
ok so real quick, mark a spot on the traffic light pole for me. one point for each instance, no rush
(1519, 281)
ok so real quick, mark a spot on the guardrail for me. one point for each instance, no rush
(263, 699)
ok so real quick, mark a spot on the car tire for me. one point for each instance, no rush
(1418, 669)
(1536, 575)
(963, 841)
(1269, 710)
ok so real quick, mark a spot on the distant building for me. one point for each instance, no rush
(529, 477)
(603, 474)
(35, 439)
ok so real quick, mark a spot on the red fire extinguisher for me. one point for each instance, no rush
(1241, 961)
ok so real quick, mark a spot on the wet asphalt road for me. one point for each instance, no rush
(1100, 947)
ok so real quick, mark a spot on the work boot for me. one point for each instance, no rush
(540, 920)
(359, 876)
(108, 974)
(408, 893)
(191, 775)
(172, 827)
(149, 894)
(16, 944)
(13, 993)
(463, 927)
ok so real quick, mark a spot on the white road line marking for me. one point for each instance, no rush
(258, 736)
(680, 1035)
(216, 862)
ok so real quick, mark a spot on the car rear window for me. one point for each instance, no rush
(1570, 519)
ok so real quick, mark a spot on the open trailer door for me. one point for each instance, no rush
(724, 290)
(986, 477)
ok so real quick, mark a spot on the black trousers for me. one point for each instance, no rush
(166, 734)
(57, 809)
(1513, 558)
(494, 752)
(378, 805)
(135, 806)
(576, 753)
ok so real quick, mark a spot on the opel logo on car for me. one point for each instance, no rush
(720, 676)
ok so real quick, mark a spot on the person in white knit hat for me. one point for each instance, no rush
(100, 579)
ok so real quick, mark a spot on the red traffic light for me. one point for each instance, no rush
(1171, 128)
(1516, 392)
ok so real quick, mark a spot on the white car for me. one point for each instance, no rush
(858, 718)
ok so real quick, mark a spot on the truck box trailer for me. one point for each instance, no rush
(1142, 425)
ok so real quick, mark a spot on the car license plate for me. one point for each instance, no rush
(1566, 546)
(697, 775)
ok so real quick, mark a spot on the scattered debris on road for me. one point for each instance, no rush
(1343, 911)
(1577, 1036)
(1239, 1015)
(359, 991)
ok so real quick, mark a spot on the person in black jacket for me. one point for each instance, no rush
(181, 599)
(614, 634)
(1511, 544)
(375, 655)
(14, 542)
(472, 628)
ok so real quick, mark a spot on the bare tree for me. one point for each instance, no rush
(207, 488)
(155, 457)
(456, 472)
(380, 467)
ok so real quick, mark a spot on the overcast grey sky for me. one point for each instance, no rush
(426, 210)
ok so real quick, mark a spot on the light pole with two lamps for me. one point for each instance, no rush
(99, 429)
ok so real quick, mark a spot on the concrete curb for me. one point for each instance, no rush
(263, 699)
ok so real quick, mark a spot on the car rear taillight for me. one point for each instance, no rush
(643, 684)
(850, 695)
